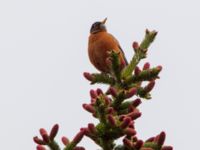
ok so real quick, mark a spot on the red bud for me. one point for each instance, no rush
(135, 114)
(161, 138)
(137, 71)
(113, 92)
(125, 122)
(93, 94)
(127, 143)
(86, 131)
(121, 117)
(88, 76)
(150, 86)
(139, 144)
(130, 131)
(99, 91)
(111, 120)
(131, 124)
(54, 131)
(146, 66)
(135, 45)
(78, 136)
(38, 141)
(159, 68)
(92, 128)
(40, 147)
(110, 110)
(65, 140)
(44, 135)
(136, 102)
(89, 108)
(131, 92)
(43, 131)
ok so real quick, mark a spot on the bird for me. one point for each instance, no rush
(100, 43)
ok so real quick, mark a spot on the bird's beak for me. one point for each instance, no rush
(104, 21)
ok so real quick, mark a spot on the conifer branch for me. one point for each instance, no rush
(145, 75)
(115, 112)
(140, 52)
(100, 78)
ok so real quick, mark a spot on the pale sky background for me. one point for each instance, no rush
(43, 53)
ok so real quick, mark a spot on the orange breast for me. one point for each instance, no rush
(98, 47)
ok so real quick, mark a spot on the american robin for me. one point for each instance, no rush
(99, 45)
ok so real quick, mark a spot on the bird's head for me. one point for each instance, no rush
(98, 27)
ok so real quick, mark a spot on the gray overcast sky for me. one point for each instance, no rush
(43, 53)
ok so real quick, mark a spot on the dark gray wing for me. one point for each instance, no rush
(120, 48)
